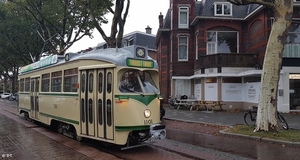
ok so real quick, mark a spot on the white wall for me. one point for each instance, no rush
(197, 91)
(211, 91)
(251, 92)
(232, 92)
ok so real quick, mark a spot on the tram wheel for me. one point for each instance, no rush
(78, 138)
(60, 128)
(26, 116)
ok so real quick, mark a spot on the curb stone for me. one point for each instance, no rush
(264, 139)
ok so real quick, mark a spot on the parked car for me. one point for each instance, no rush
(5, 95)
(14, 97)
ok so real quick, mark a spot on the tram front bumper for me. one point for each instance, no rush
(158, 131)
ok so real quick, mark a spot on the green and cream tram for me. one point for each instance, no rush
(110, 95)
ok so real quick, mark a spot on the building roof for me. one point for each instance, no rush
(240, 11)
(205, 9)
(135, 38)
(141, 39)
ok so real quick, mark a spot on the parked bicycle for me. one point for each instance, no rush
(172, 102)
(250, 118)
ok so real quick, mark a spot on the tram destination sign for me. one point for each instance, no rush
(39, 64)
(139, 63)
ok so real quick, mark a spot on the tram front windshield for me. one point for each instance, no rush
(137, 81)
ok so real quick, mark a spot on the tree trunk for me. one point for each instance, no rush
(267, 107)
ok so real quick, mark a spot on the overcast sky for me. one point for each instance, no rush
(142, 13)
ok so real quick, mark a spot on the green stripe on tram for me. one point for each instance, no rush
(130, 128)
(146, 99)
(60, 118)
(52, 116)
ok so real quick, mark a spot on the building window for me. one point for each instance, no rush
(182, 48)
(183, 15)
(222, 42)
(292, 46)
(231, 80)
(223, 9)
(211, 80)
(252, 79)
(196, 40)
(171, 48)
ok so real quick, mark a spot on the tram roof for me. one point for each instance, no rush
(117, 56)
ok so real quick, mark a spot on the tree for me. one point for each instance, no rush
(60, 23)
(18, 38)
(118, 23)
(267, 107)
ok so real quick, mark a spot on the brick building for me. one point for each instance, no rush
(214, 50)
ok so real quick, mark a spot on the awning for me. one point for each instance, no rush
(240, 74)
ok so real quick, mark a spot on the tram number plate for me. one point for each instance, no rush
(148, 121)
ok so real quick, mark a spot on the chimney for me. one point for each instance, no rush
(148, 30)
(161, 20)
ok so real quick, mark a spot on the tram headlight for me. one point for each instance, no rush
(147, 113)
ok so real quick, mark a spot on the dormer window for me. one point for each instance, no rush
(223, 9)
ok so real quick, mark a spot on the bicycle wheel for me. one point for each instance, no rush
(171, 106)
(282, 122)
(250, 118)
(175, 106)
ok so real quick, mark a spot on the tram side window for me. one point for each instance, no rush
(109, 82)
(91, 82)
(100, 83)
(21, 85)
(83, 82)
(56, 81)
(45, 82)
(27, 84)
(70, 80)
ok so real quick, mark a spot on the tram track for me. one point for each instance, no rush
(161, 149)
(95, 149)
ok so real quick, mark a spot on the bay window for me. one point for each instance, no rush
(222, 42)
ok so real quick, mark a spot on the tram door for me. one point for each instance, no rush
(34, 99)
(96, 103)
